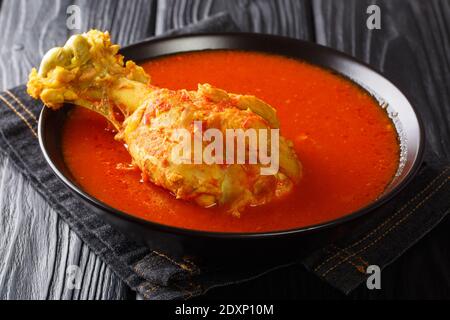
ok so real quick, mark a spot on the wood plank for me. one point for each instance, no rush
(283, 17)
(412, 49)
(37, 247)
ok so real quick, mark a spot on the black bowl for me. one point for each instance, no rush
(181, 242)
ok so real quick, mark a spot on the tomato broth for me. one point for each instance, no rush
(347, 144)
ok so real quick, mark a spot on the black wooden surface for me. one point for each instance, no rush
(412, 49)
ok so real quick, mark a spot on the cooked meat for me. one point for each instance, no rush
(89, 72)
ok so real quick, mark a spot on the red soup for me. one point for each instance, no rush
(345, 141)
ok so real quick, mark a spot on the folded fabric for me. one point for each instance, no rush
(383, 236)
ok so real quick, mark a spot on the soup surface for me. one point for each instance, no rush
(345, 141)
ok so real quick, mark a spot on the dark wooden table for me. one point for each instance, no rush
(412, 48)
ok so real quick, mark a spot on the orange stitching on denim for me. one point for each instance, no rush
(149, 291)
(19, 115)
(188, 292)
(181, 265)
(348, 253)
(357, 267)
(21, 104)
(387, 220)
(391, 228)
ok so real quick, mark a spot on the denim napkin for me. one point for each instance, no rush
(379, 240)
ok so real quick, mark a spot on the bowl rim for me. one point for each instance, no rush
(241, 235)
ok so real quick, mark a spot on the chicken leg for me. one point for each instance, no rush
(89, 72)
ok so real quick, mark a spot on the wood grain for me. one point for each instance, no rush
(412, 49)
(283, 17)
(37, 247)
